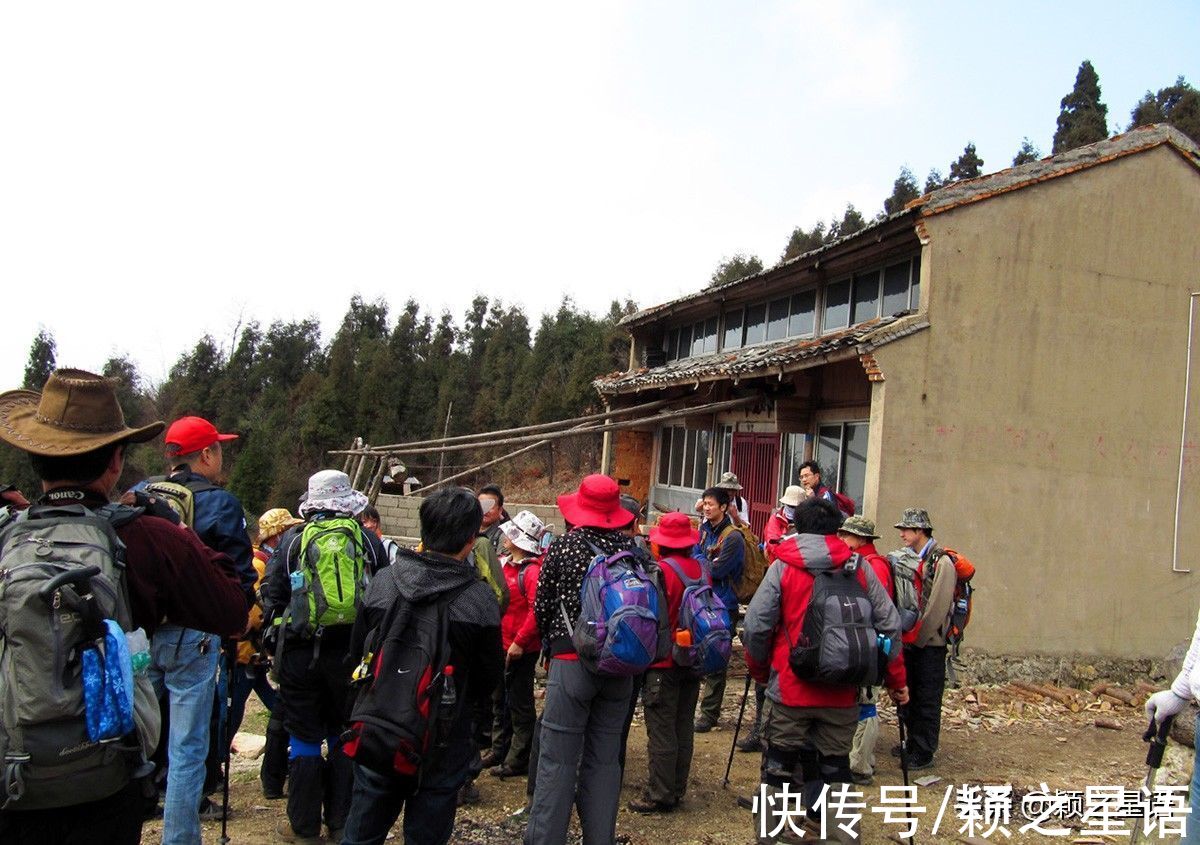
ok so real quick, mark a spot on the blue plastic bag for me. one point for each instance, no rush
(108, 686)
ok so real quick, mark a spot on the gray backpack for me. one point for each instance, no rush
(62, 571)
(906, 565)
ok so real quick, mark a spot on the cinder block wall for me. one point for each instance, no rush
(399, 514)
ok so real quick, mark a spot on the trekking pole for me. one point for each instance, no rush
(232, 667)
(1154, 757)
(901, 718)
(736, 730)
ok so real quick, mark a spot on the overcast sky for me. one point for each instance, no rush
(168, 169)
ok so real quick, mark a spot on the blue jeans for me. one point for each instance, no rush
(1193, 820)
(428, 811)
(248, 679)
(188, 677)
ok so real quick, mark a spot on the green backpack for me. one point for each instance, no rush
(327, 575)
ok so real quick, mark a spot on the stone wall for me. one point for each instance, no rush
(399, 517)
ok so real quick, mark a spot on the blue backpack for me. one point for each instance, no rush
(703, 615)
(622, 625)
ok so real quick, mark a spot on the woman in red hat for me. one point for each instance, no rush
(669, 693)
(580, 737)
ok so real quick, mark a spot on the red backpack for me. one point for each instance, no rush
(845, 503)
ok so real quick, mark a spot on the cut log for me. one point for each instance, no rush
(1120, 695)
(1109, 724)
(1098, 688)
(1048, 692)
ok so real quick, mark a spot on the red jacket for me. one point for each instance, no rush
(518, 622)
(780, 604)
(777, 526)
(692, 568)
(883, 571)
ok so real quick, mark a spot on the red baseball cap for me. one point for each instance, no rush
(191, 434)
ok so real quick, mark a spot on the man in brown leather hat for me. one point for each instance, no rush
(75, 435)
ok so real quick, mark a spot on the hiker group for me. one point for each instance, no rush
(395, 677)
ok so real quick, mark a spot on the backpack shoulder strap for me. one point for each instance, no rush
(678, 570)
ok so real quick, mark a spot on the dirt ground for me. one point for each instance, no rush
(990, 736)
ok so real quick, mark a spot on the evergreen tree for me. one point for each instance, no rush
(41, 361)
(1028, 153)
(934, 181)
(968, 165)
(1178, 105)
(904, 191)
(737, 267)
(851, 222)
(802, 241)
(1083, 119)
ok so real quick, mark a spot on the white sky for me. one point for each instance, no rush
(166, 169)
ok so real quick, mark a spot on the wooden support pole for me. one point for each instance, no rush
(416, 445)
(476, 469)
(711, 407)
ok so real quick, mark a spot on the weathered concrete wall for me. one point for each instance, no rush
(1039, 417)
(399, 514)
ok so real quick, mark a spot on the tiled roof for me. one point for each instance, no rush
(766, 358)
(1080, 158)
(961, 193)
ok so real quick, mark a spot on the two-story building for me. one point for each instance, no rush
(1011, 352)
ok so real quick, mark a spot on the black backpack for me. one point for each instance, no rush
(838, 643)
(401, 716)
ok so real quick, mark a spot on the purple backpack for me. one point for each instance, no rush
(622, 622)
(703, 615)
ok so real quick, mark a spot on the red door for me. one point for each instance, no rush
(755, 461)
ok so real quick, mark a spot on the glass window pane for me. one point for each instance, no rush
(700, 476)
(895, 289)
(777, 319)
(829, 453)
(914, 299)
(676, 456)
(790, 459)
(725, 448)
(685, 342)
(733, 329)
(866, 297)
(664, 456)
(689, 456)
(710, 335)
(672, 344)
(854, 464)
(803, 306)
(698, 339)
(837, 306)
(756, 324)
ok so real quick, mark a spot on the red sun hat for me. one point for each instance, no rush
(674, 531)
(596, 504)
(191, 434)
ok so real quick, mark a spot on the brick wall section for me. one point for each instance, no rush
(399, 516)
(633, 457)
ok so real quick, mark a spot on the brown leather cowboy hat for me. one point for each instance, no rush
(76, 412)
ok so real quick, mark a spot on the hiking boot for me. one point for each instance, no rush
(862, 779)
(704, 725)
(506, 771)
(211, 811)
(645, 806)
(750, 742)
(469, 794)
(491, 759)
(285, 833)
(916, 764)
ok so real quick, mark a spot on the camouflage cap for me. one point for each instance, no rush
(860, 526)
(915, 518)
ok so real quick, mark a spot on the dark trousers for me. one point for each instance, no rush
(428, 811)
(116, 820)
(926, 669)
(638, 680)
(512, 731)
(669, 699)
(317, 692)
(714, 684)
